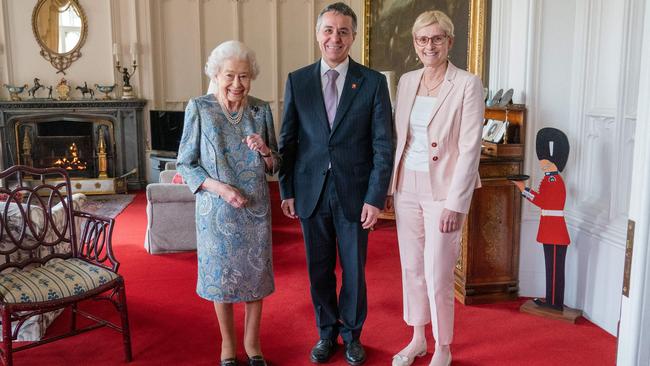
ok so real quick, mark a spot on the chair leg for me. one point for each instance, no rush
(73, 317)
(124, 315)
(7, 357)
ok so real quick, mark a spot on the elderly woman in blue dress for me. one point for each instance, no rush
(228, 147)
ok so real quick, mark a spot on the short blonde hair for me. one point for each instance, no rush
(227, 51)
(434, 17)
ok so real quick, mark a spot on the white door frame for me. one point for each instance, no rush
(634, 330)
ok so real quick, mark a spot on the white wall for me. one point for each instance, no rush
(576, 64)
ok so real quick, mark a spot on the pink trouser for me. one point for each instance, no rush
(428, 256)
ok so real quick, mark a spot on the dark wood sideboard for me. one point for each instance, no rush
(488, 266)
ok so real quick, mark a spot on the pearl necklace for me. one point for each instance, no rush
(232, 119)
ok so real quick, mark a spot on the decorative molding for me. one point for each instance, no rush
(5, 55)
(201, 40)
(135, 39)
(499, 47)
(531, 92)
(601, 112)
(592, 52)
(611, 234)
(596, 187)
(236, 14)
(159, 65)
(115, 16)
(147, 70)
(86, 103)
(275, 61)
(311, 34)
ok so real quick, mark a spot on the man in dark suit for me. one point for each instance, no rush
(336, 148)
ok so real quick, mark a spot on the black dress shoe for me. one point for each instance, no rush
(256, 361)
(354, 353)
(229, 362)
(323, 351)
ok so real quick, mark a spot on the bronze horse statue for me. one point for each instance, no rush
(32, 91)
(86, 90)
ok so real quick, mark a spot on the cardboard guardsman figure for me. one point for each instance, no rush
(552, 152)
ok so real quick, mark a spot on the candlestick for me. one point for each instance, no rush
(133, 50)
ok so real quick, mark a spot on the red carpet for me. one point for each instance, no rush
(171, 325)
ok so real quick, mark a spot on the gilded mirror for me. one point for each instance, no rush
(60, 28)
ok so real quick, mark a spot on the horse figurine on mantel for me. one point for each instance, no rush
(86, 90)
(37, 85)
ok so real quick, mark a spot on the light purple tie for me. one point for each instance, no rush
(331, 95)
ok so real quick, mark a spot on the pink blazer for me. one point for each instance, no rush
(454, 133)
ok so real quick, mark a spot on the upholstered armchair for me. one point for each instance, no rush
(171, 226)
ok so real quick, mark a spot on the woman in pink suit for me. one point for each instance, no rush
(438, 117)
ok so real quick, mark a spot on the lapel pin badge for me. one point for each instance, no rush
(354, 85)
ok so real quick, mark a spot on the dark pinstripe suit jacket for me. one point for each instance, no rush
(359, 144)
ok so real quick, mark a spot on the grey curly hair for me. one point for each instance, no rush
(227, 51)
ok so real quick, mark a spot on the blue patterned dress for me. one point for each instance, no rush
(233, 244)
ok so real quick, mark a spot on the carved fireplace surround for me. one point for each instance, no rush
(31, 130)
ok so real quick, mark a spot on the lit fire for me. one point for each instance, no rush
(73, 163)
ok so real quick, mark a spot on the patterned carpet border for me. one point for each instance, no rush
(107, 205)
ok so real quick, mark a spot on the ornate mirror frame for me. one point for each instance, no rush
(60, 61)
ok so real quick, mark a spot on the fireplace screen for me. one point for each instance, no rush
(80, 147)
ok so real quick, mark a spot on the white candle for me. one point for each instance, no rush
(134, 50)
(116, 52)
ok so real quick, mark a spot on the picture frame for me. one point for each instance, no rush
(488, 129)
(494, 131)
(388, 42)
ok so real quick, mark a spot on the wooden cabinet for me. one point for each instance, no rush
(488, 266)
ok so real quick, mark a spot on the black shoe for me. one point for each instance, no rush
(544, 304)
(229, 362)
(323, 351)
(256, 361)
(354, 353)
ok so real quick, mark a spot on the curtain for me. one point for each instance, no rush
(48, 24)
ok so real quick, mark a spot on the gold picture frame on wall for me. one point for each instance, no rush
(388, 43)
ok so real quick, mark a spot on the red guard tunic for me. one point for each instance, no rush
(550, 198)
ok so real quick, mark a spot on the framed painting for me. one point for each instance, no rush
(388, 43)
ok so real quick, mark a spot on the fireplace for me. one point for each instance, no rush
(70, 143)
(95, 141)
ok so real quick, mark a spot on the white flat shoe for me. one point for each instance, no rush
(401, 360)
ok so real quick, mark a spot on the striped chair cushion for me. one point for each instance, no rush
(57, 279)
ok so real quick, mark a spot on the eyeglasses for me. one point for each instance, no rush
(436, 40)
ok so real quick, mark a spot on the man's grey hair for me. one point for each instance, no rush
(230, 50)
(340, 8)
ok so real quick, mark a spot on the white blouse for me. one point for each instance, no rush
(417, 146)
